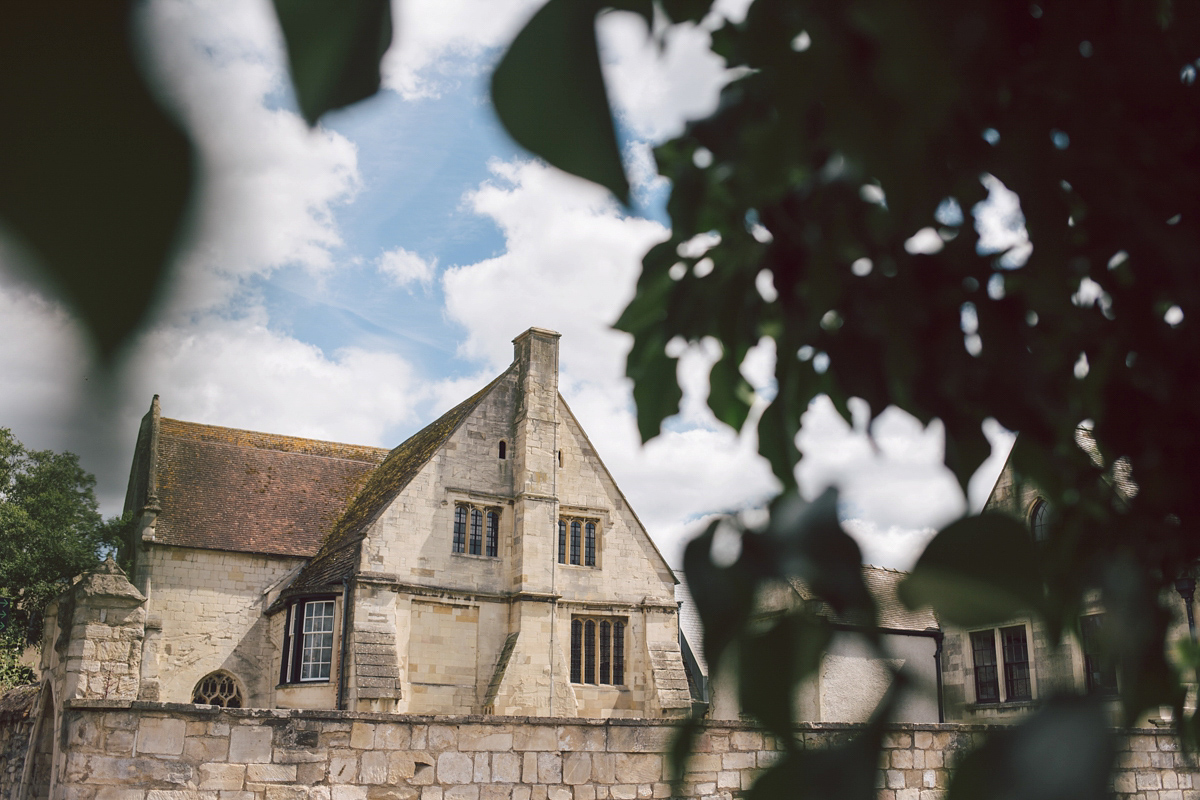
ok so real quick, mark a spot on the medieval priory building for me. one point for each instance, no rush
(489, 564)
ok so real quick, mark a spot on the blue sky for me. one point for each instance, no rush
(354, 281)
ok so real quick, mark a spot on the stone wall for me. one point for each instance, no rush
(120, 750)
(17, 718)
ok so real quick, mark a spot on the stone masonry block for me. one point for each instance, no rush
(345, 792)
(534, 737)
(484, 737)
(362, 736)
(373, 767)
(271, 773)
(392, 737)
(468, 792)
(250, 745)
(506, 768)
(640, 768)
(582, 738)
(529, 768)
(222, 776)
(343, 767)
(549, 767)
(455, 768)
(577, 768)
(160, 735)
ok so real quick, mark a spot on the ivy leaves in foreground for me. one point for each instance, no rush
(334, 49)
(96, 178)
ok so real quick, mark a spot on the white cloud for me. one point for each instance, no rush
(404, 267)
(657, 90)
(270, 185)
(571, 264)
(439, 42)
(235, 371)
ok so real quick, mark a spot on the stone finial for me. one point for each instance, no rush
(108, 581)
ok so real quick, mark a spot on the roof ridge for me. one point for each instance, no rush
(400, 466)
(278, 442)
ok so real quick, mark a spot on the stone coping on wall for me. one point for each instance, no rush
(494, 719)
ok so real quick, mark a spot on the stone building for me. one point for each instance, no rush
(1001, 672)
(487, 565)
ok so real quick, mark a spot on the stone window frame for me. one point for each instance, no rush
(293, 663)
(599, 650)
(579, 541)
(1039, 519)
(464, 540)
(224, 693)
(1106, 684)
(1005, 678)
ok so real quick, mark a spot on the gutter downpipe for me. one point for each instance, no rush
(341, 691)
(937, 665)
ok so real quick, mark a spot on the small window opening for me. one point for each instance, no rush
(560, 458)
(217, 689)
(503, 450)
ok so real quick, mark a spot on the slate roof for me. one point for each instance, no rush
(228, 489)
(338, 555)
(881, 583)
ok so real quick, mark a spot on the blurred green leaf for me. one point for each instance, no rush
(687, 10)
(724, 595)
(334, 49)
(1064, 751)
(549, 94)
(842, 772)
(94, 178)
(655, 390)
(772, 662)
(811, 545)
(977, 571)
(730, 394)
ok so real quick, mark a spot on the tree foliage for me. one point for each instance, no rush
(838, 180)
(50, 531)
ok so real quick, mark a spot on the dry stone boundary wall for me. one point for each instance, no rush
(122, 750)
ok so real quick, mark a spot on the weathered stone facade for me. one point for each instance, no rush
(242, 536)
(123, 750)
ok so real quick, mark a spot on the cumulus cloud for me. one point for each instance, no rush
(236, 371)
(270, 184)
(438, 43)
(404, 267)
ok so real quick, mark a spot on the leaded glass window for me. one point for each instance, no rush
(476, 532)
(493, 534)
(1016, 664)
(575, 541)
(598, 651)
(460, 529)
(987, 684)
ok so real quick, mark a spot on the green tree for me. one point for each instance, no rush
(50, 531)
(840, 175)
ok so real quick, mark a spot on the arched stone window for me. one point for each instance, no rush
(218, 689)
(503, 450)
(1039, 521)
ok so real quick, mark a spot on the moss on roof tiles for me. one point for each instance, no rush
(331, 563)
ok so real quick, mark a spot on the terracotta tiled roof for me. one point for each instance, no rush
(338, 556)
(227, 489)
